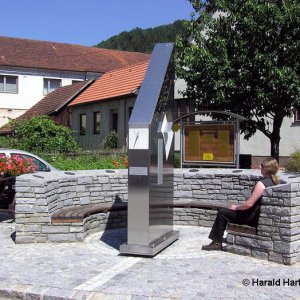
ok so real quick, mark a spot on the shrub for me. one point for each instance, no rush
(41, 134)
(176, 159)
(110, 141)
(6, 142)
(293, 164)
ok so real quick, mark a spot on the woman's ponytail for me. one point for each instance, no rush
(275, 179)
(271, 168)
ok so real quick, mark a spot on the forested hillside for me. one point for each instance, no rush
(143, 40)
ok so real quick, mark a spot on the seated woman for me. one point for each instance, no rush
(248, 212)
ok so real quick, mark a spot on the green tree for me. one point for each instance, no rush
(243, 56)
(41, 134)
(143, 40)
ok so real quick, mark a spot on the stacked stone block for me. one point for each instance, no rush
(38, 196)
(105, 221)
(278, 234)
(209, 187)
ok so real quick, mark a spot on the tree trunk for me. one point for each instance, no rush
(275, 147)
(275, 136)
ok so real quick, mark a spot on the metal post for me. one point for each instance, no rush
(150, 158)
(181, 143)
(237, 134)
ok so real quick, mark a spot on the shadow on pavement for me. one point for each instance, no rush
(113, 235)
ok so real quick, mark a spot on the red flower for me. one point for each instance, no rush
(116, 164)
(14, 166)
(125, 161)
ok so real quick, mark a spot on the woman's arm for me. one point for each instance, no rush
(256, 194)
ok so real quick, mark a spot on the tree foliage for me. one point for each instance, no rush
(243, 56)
(41, 134)
(143, 40)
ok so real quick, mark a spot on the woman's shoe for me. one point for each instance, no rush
(213, 246)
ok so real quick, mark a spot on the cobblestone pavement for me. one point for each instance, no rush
(95, 270)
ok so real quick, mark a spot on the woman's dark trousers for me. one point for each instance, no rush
(225, 215)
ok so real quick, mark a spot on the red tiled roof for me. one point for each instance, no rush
(16, 52)
(121, 82)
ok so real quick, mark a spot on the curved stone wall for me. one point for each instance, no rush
(41, 194)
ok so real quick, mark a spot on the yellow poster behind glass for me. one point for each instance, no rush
(209, 143)
(223, 143)
(193, 147)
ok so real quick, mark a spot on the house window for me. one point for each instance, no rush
(50, 85)
(8, 84)
(97, 119)
(114, 121)
(182, 107)
(297, 115)
(82, 124)
(130, 109)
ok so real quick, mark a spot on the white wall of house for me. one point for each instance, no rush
(7, 114)
(30, 89)
(259, 144)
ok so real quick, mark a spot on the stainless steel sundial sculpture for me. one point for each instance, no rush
(150, 157)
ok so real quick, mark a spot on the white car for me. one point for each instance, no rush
(42, 165)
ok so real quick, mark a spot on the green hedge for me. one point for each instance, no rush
(86, 161)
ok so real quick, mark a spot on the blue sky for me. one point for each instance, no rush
(85, 22)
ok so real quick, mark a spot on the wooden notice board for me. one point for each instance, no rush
(209, 143)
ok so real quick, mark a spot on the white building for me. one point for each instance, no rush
(31, 69)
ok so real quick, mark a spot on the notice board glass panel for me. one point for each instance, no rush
(209, 143)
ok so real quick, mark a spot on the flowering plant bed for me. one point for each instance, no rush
(14, 166)
(10, 167)
(121, 163)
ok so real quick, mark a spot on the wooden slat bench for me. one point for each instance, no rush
(77, 214)
(241, 228)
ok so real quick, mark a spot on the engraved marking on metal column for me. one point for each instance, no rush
(160, 157)
(139, 171)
